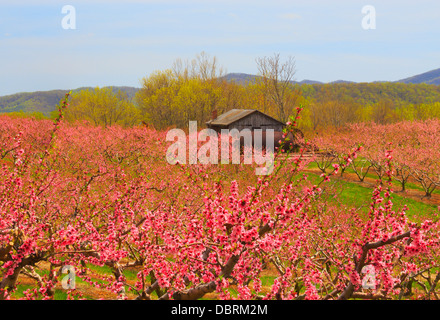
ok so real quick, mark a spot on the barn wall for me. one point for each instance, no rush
(256, 121)
(216, 128)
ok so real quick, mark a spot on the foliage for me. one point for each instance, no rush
(336, 104)
(102, 106)
(88, 196)
(192, 90)
(415, 156)
(44, 102)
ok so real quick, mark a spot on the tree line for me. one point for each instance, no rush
(193, 89)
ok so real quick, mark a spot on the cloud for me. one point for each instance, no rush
(233, 16)
(290, 16)
(121, 40)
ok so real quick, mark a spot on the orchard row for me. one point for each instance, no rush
(83, 196)
(413, 146)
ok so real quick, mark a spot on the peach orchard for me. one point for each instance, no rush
(79, 195)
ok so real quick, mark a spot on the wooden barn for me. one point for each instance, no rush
(244, 119)
(253, 119)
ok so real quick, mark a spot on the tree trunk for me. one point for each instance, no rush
(8, 283)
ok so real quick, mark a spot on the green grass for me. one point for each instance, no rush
(267, 281)
(354, 195)
(129, 274)
(60, 294)
(372, 175)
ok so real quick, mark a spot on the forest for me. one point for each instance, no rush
(191, 90)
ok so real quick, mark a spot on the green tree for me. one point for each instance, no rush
(102, 106)
(189, 91)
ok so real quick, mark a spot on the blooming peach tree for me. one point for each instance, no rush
(82, 196)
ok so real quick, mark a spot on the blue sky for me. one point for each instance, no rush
(119, 42)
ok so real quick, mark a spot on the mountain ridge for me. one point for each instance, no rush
(429, 77)
(46, 101)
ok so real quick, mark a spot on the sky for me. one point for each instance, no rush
(117, 43)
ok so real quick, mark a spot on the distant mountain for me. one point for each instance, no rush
(44, 101)
(244, 78)
(430, 77)
(240, 78)
(309, 82)
(342, 81)
(40, 101)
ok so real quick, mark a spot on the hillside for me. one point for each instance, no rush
(44, 101)
(240, 78)
(244, 78)
(430, 77)
(415, 90)
(370, 93)
(40, 101)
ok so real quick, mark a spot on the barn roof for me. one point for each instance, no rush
(233, 115)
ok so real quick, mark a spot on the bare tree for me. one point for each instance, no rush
(202, 66)
(277, 78)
